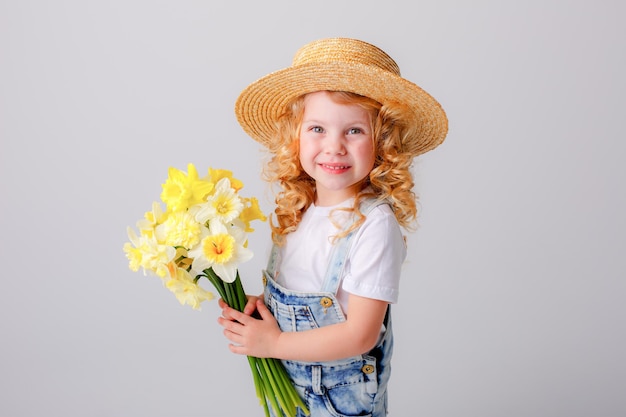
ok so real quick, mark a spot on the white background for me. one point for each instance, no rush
(513, 299)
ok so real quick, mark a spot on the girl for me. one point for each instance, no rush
(342, 127)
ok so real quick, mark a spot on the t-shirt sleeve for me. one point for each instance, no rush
(376, 257)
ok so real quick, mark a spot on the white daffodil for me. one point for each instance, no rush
(224, 204)
(223, 250)
(147, 253)
(151, 219)
(186, 290)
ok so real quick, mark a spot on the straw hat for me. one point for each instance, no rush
(340, 64)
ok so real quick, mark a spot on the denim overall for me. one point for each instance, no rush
(355, 386)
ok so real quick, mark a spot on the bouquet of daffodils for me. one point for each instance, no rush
(202, 233)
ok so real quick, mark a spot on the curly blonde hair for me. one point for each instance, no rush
(390, 179)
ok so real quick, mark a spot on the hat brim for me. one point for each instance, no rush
(262, 102)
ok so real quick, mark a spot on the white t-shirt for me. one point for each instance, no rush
(374, 262)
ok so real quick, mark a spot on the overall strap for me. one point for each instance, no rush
(341, 248)
(272, 261)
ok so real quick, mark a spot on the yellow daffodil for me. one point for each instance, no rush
(217, 174)
(148, 254)
(134, 256)
(223, 250)
(151, 219)
(183, 190)
(186, 290)
(251, 211)
(223, 204)
(179, 229)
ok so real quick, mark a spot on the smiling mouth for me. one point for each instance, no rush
(335, 167)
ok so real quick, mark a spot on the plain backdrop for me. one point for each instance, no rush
(513, 296)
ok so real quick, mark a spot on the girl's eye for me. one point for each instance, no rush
(354, 131)
(317, 129)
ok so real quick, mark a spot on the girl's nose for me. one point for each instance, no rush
(334, 145)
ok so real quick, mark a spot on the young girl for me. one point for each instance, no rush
(342, 127)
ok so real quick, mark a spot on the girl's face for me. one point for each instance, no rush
(336, 147)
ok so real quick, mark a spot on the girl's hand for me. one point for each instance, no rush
(250, 336)
(249, 309)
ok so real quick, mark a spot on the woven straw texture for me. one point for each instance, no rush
(340, 64)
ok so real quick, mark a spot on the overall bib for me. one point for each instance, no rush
(355, 386)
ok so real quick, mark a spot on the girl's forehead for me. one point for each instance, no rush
(323, 105)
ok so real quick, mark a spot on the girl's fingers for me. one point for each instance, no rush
(240, 350)
(233, 315)
(250, 305)
(230, 327)
(249, 308)
(265, 313)
(227, 312)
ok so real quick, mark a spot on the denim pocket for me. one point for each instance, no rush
(292, 318)
(349, 389)
(348, 400)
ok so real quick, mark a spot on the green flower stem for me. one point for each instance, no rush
(273, 398)
(240, 293)
(284, 399)
(278, 383)
(232, 300)
(259, 385)
(271, 381)
(286, 385)
(257, 380)
(217, 283)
